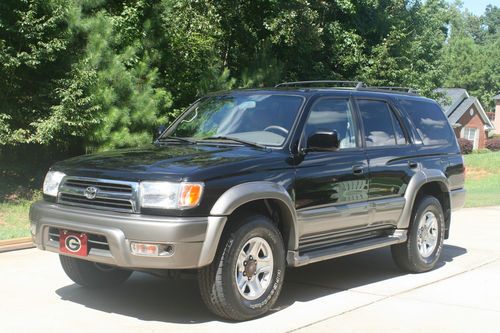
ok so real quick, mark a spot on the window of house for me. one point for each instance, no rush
(381, 126)
(470, 133)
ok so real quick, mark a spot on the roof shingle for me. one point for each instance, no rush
(452, 98)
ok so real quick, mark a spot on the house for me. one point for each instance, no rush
(466, 115)
(496, 116)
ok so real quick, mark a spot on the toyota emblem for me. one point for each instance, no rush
(90, 192)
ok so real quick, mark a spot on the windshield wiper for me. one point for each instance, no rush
(169, 137)
(245, 142)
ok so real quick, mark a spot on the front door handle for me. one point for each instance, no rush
(357, 169)
(412, 164)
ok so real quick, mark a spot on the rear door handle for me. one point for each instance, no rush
(412, 164)
(357, 169)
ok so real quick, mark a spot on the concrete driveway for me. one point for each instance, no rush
(360, 293)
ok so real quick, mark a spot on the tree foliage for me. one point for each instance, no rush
(33, 39)
(105, 73)
(471, 54)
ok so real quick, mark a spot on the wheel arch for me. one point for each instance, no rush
(427, 182)
(263, 196)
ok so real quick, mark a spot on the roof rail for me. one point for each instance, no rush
(355, 85)
(329, 83)
(393, 89)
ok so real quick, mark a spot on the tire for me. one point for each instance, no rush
(92, 275)
(416, 255)
(218, 281)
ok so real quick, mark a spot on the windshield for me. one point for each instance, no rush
(264, 119)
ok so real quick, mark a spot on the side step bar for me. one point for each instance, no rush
(296, 259)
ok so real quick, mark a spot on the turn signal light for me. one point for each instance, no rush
(190, 195)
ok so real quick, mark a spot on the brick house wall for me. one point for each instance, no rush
(473, 121)
(496, 122)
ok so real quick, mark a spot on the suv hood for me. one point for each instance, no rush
(173, 162)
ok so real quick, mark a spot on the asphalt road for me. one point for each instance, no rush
(360, 293)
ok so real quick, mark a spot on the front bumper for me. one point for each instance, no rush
(194, 239)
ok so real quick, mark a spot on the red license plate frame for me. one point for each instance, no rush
(72, 242)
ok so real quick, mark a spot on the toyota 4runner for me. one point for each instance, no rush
(248, 182)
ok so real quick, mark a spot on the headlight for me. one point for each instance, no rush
(51, 182)
(167, 195)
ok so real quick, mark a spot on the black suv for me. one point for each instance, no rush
(247, 182)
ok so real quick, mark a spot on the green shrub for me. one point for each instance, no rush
(493, 144)
(465, 146)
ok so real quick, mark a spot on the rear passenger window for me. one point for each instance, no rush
(381, 126)
(430, 122)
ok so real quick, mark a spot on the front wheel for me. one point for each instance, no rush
(93, 275)
(246, 276)
(422, 250)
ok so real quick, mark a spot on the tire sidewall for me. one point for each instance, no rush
(428, 204)
(258, 226)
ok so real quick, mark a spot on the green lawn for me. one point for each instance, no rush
(482, 184)
(14, 219)
(482, 180)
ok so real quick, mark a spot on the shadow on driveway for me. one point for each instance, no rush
(177, 301)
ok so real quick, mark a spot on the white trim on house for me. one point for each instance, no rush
(471, 134)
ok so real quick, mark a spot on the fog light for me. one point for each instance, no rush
(144, 249)
(149, 249)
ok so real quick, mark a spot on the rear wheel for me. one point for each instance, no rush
(93, 275)
(246, 276)
(422, 250)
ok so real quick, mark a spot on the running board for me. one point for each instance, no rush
(296, 259)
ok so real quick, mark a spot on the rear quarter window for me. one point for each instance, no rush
(430, 122)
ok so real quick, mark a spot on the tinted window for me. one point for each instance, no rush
(333, 115)
(379, 123)
(430, 122)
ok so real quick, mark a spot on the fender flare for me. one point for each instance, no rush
(241, 194)
(419, 179)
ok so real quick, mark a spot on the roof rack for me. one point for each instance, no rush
(334, 83)
(395, 89)
(355, 85)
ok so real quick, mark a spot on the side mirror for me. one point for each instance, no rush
(323, 141)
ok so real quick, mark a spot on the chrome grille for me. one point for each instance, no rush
(111, 194)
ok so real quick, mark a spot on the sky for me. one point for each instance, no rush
(478, 6)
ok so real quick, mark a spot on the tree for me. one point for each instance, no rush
(409, 54)
(78, 70)
(106, 73)
(470, 56)
(34, 44)
(112, 92)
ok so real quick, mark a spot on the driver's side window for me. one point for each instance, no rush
(329, 114)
